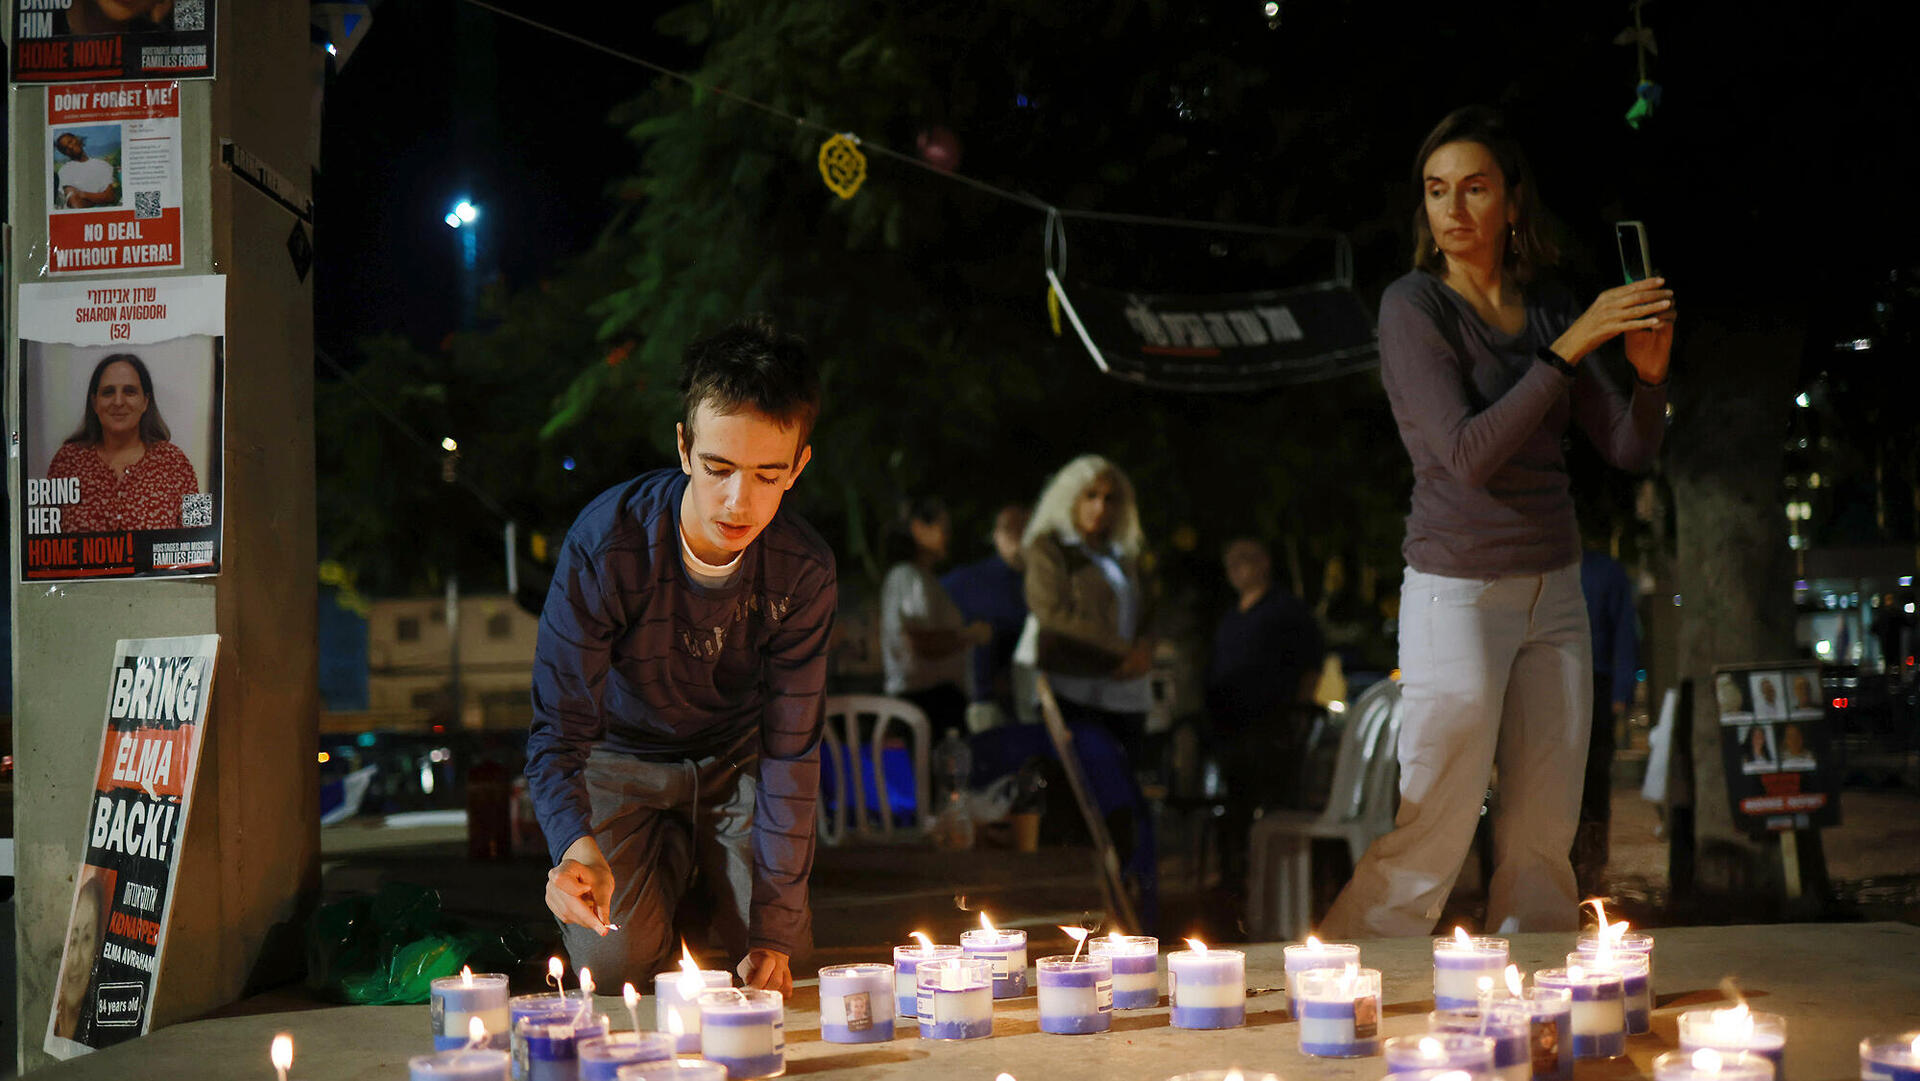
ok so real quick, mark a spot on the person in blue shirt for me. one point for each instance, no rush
(678, 681)
(994, 591)
(1616, 660)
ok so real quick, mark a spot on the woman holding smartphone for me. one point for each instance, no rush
(1487, 363)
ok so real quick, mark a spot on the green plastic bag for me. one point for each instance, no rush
(386, 950)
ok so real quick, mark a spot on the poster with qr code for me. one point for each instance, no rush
(64, 41)
(122, 427)
(113, 178)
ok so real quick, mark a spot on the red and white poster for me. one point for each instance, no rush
(117, 928)
(113, 174)
(120, 439)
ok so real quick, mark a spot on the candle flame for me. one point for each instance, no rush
(1116, 937)
(466, 976)
(1915, 1047)
(1600, 912)
(926, 944)
(630, 996)
(1079, 936)
(1004, 1077)
(1233, 1075)
(1736, 1023)
(1575, 972)
(675, 1027)
(1513, 980)
(1484, 984)
(690, 980)
(1460, 935)
(1706, 1060)
(1430, 1048)
(586, 981)
(987, 924)
(1313, 943)
(1196, 945)
(282, 1052)
(557, 973)
(476, 1032)
(1620, 930)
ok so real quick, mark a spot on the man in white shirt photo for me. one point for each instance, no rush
(84, 181)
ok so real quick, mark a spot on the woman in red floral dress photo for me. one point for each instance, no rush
(131, 475)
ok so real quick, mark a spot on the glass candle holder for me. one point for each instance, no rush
(454, 1001)
(1506, 1023)
(683, 1069)
(485, 1064)
(549, 1049)
(1737, 1029)
(1340, 1012)
(1136, 969)
(907, 961)
(1308, 956)
(954, 997)
(1635, 980)
(857, 1003)
(602, 1056)
(1698, 1066)
(1599, 1017)
(674, 993)
(1890, 1058)
(745, 1031)
(1076, 995)
(1007, 951)
(1439, 1051)
(1208, 988)
(1458, 966)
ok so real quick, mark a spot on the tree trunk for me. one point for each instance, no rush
(1734, 386)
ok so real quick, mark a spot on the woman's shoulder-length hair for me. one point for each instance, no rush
(1053, 512)
(1534, 248)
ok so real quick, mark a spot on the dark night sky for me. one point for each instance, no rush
(1796, 118)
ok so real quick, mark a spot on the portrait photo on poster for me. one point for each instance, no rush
(1756, 749)
(1769, 701)
(86, 172)
(121, 458)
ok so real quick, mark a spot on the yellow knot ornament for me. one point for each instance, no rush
(842, 165)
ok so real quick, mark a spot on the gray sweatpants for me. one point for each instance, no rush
(657, 823)
(1492, 670)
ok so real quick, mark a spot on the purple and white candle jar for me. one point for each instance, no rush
(857, 1003)
(1136, 969)
(549, 1049)
(550, 1006)
(483, 1064)
(1208, 987)
(679, 1069)
(1310, 955)
(1076, 995)
(1467, 1051)
(906, 961)
(1599, 1009)
(1737, 1029)
(676, 1003)
(745, 1031)
(1006, 951)
(1629, 943)
(1707, 1064)
(1340, 1012)
(454, 1001)
(1551, 1011)
(1506, 1023)
(1460, 962)
(602, 1056)
(1634, 982)
(1890, 1058)
(954, 998)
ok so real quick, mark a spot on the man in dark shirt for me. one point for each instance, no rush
(678, 681)
(994, 590)
(1266, 654)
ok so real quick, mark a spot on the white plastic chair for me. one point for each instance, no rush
(1360, 808)
(851, 754)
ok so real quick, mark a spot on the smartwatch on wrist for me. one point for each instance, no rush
(1553, 360)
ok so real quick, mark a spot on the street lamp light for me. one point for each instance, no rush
(463, 213)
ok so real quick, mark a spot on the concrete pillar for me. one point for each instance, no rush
(251, 855)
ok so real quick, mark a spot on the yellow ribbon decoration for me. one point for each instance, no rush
(1053, 309)
(842, 165)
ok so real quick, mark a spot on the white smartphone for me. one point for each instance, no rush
(1636, 261)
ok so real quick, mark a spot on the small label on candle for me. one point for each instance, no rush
(521, 1055)
(1103, 996)
(1546, 1048)
(859, 1010)
(1000, 966)
(437, 1013)
(1366, 1017)
(923, 1005)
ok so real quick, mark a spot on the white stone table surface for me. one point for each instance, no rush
(1835, 983)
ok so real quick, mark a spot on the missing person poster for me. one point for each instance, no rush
(113, 171)
(116, 932)
(63, 41)
(120, 442)
(1777, 744)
